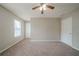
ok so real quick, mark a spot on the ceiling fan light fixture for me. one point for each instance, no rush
(43, 7)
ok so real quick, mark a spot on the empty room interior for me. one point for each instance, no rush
(39, 29)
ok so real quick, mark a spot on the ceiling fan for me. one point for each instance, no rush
(43, 7)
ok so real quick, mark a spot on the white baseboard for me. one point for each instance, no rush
(44, 40)
(75, 48)
(71, 46)
(10, 46)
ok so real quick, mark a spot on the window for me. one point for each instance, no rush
(17, 28)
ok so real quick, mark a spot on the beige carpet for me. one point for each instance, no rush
(26, 48)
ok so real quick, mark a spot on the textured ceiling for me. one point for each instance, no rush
(24, 10)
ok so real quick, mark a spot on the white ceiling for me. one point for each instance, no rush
(24, 10)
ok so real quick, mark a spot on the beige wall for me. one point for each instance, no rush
(66, 30)
(75, 28)
(7, 38)
(45, 29)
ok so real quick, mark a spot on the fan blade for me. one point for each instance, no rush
(51, 7)
(35, 7)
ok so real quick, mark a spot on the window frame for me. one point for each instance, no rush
(17, 28)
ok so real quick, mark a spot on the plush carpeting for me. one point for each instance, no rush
(27, 48)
